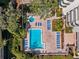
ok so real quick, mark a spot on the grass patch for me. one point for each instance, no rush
(57, 57)
(69, 57)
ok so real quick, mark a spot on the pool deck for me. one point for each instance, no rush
(69, 38)
(49, 37)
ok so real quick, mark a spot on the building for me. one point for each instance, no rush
(72, 15)
(71, 12)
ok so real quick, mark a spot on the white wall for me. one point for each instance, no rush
(71, 6)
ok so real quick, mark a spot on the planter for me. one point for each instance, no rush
(57, 24)
(59, 12)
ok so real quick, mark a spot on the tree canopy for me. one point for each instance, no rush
(4, 3)
(9, 19)
(43, 7)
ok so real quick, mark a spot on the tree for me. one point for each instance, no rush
(1, 27)
(24, 8)
(18, 33)
(8, 21)
(43, 7)
(12, 17)
(4, 3)
(35, 6)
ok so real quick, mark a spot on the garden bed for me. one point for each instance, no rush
(59, 12)
(57, 24)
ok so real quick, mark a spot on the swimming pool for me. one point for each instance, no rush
(35, 38)
(58, 40)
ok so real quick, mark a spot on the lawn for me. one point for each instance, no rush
(52, 57)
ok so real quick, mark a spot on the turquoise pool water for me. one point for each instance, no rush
(35, 38)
